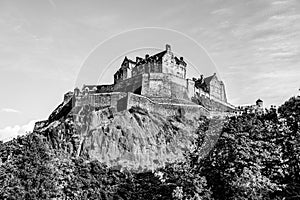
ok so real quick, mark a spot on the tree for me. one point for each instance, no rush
(237, 167)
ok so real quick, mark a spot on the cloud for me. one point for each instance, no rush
(222, 11)
(10, 132)
(279, 2)
(10, 110)
(278, 74)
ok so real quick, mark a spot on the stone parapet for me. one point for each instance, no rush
(166, 109)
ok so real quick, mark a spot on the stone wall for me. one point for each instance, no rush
(130, 85)
(105, 88)
(101, 100)
(169, 66)
(213, 104)
(164, 85)
(217, 89)
(223, 93)
(191, 88)
(155, 85)
(167, 109)
(149, 67)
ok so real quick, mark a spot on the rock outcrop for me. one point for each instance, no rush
(132, 139)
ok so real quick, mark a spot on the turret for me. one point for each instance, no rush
(168, 48)
(76, 91)
(259, 103)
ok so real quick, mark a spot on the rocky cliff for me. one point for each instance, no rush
(133, 139)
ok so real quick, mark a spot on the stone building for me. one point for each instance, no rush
(258, 108)
(157, 83)
(216, 88)
(160, 77)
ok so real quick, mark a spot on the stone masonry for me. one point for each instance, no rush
(159, 81)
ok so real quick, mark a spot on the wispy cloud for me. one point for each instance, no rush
(222, 11)
(99, 22)
(279, 2)
(11, 132)
(10, 110)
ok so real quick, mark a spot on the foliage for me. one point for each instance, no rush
(290, 145)
(236, 168)
(255, 157)
(24, 173)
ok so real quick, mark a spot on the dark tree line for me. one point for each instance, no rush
(255, 157)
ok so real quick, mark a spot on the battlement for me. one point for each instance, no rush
(155, 83)
(156, 80)
(120, 101)
(166, 109)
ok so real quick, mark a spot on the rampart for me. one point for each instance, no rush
(124, 101)
(166, 109)
(100, 100)
(133, 84)
(155, 85)
(164, 85)
(213, 104)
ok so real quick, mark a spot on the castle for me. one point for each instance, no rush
(156, 83)
(160, 77)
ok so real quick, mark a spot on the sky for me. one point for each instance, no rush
(46, 45)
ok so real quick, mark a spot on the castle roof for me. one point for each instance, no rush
(156, 57)
(125, 61)
(208, 79)
(180, 60)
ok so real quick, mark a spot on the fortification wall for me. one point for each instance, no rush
(164, 85)
(105, 88)
(213, 104)
(100, 100)
(130, 85)
(190, 111)
(227, 105)
(157, 92)
(172, 67)
(217, 90)
(220, 114)
(190, 88)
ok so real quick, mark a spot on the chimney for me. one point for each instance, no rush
(146, 56)
(168, 47)
(138, 59)
(181, 58)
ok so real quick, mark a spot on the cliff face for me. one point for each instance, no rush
(137, 140)
(133, 139)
